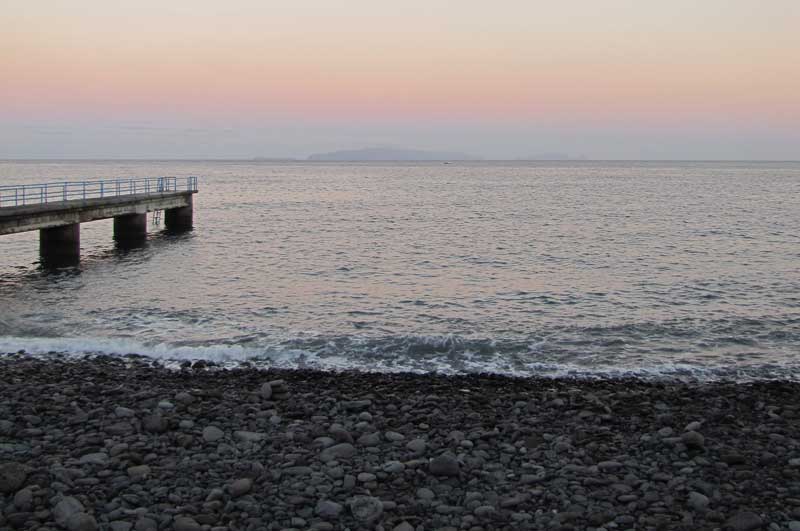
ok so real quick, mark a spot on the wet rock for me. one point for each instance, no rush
(697, 501)
(265, 391)
(23, 499)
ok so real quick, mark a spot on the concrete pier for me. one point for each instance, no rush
(130, 229)
(60, 246)
(179, 219)
(58, 222)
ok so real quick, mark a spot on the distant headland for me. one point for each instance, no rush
(390, 154)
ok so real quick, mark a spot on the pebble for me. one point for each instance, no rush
(445, 465)
(744, 521)
(240, 487)
(337, 451)
(12, 477)
(212, 434)
(66, 508)
(185, 523)
(328, 509)
(693, 439)
(81, 522)
(366, 509)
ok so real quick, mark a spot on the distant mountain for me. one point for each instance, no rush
(390, 154)
(554, 156)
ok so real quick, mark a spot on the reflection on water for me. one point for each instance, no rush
(505, 266)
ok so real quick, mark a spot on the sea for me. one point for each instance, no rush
(676, 270)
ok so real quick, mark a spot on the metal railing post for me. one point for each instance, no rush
(65, 191)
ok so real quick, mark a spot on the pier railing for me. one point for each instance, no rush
(35, 194)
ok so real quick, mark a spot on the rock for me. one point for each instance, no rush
(66, 508)
(366, 477)
(184, 398)
(693, 439)
(366, 509)
(607, 466)
(124, 412)
(393, 436)
(240, 487)
(166, 404)
(370, 439)
(249, 436)
(356, 405)
(403, 526)
(794, 525)
(444, 465)
(212, 434)
(146, 524)
(97, 458)
(418, 446)
(120, 525)
(744, 521)
(393, 467)
(81, 522)
(155, 424)
(184, 523)
(328, 509)
(340, 434)
(697, 501)
(12, 477)
(265, 391)
(23, 500)
(139, 472)
(337, 451)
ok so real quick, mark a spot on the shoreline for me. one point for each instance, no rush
(116, 443)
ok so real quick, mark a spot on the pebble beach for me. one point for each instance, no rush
(126, 444)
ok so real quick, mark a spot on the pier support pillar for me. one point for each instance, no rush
(60, 246)
(130, 229)
(179, 219)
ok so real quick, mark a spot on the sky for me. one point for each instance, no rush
(617, 79)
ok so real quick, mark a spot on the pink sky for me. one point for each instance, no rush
(581, 64)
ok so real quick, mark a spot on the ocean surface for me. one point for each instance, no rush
(665, 269)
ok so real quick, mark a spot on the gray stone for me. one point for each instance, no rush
(794, 525)
(155, 424)
(697, 501)
(393, 467)
(370, 439)
(124, 412)
(139, 472)
(240, 487)
(97, 458)
(184, 398)
(337, 451)
(744, 521)
(328, 509)
(23, 500)
(120, 525)
(340, 434)
(64, 509)
(81, 522)
(12, 477)
(692, 439)
(445, 465)
(212, 434)
(366, 477)
(249, 436)
(265, 391)
(146, 524)
(366, 509)
(356, 405)
(184, 523)
(403, 526)
(393, 436)
(418, 446)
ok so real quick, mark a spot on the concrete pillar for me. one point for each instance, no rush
(179, 219)
(60, 246)
(130, 229)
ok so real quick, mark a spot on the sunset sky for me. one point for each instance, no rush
(631, 79)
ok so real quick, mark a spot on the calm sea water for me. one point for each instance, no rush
(677, 269)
